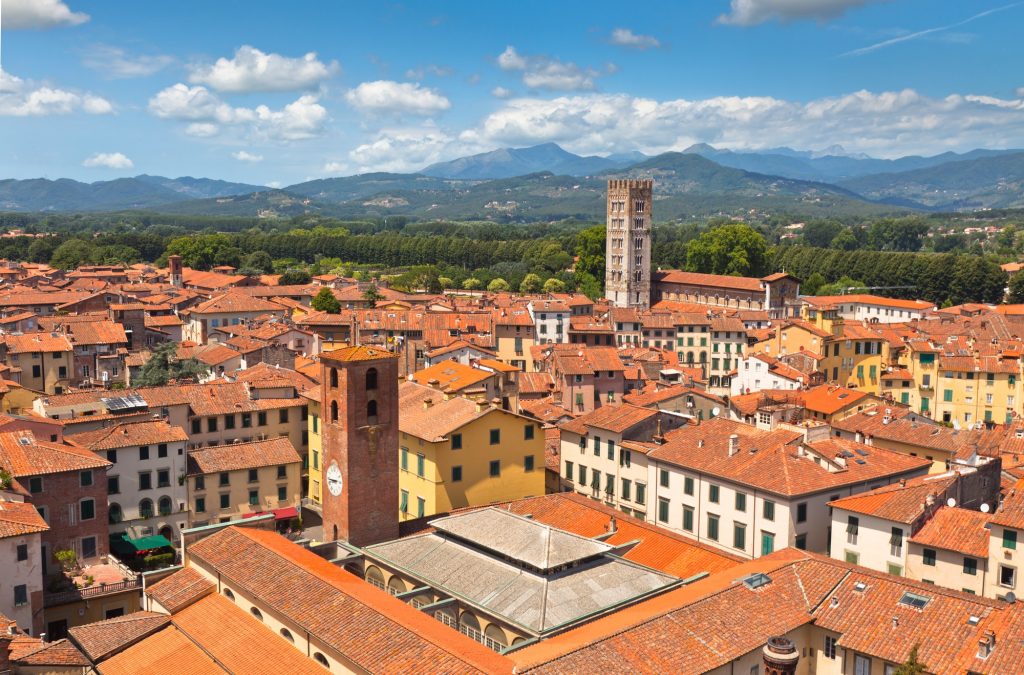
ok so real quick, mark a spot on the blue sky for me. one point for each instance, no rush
(277, 93)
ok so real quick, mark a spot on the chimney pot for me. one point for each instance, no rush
(734, 444)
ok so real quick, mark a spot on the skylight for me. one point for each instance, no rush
(914, 600)
(757, 580)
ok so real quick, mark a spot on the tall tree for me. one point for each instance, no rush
(324, 301)
(735, 248)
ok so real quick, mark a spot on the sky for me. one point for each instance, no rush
(276, 93)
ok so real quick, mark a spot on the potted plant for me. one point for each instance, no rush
(68, 560)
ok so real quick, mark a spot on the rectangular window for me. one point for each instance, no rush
(421, 507)
(163, 478)
(739, 536)
(143, 452)
(597, 446)
(22, 552)
(713, 494)
(113, 485)
(970, 566)
(35, 485)
(895, 570)
(767, 543)
(456, 441)
(896, 542)
(225, 500)
(663, 478)
(741, 502)
(87, 509)
(583, 476)
(929, 556)
(801, 512)
(199, 482)
(830, 647)
(246, 420)
(316, 459)
(611, 449)
(282, 493)
(111, 456)
(801, 542)
(282, 472)
(85, 478)
(688, 518)
(254, 475)
(641, 493)
(663, 506)
(200, 504)
(528, 463)
(852, 530)
(627, 489)
(421, 463)
(261, 419)
(712, 527)
(495, 436)
(282, 416)
(403, 503)
(1009, 539)
(1007, 576)
(145, 481)
(211, 424)
(688, 485)
(528, 432)
(225, 478)
(197, 426)
(495, 469)
(254, 497)
(20, 595)
(568, 471)
(229, 421)
(161, 450)
(768, 510)
(457, 472)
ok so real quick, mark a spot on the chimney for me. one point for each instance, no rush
(734, 444)
(612, 526)
(903, 482)
(427, 403)
(780, 656)
(986, 644)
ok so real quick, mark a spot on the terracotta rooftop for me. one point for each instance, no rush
(20, 518)
(24, 455)
(146, 432)
(425, 413)
(373, 630)
(180, 589)
(902, 502)
(102, 639)
(955, 529)
(240, 456)
(357, 353)
(616, 418)
(712, 281)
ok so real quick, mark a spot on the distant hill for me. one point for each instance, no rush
(266, 204)
(510, 162)
(41, 194)
(984, 182)
(825, 167)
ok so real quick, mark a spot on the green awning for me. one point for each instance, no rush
(124, 546)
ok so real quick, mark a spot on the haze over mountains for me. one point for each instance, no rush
(546, 182)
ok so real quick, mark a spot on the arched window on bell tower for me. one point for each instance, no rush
(334, 378)
(334, 411)
(371, 379)
(371, 412)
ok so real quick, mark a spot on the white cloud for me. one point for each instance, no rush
(20, 98)
(38, 14)
(753, 12)
(243, 156)
(108, 160)
(501, 92)
(624, 37)
(252, 70)
(885, 124)
(397, 97)
(334, 167)
(405, 149)
(1020, 92)
(300, 119)
(544, 72)
(116, 63)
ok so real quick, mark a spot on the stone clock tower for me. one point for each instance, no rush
(359, 408)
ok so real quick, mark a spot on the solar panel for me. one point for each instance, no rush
(914, 600)
(122, 403)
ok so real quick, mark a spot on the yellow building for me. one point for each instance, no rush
(790, 336)
(855, 356)
(454, 452)
(42, 361)
(316, 452)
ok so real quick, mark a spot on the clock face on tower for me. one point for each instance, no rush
(334, 481)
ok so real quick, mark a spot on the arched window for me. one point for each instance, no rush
(334, 378)
(255, 611)
(371, 412)
(114, 513)
(469, 621)
(287, 635)
(375, 577)
(165, 506)
(146, 508)
(228, 594)
(334, 411)
(497, 634)
(689, 357)
(371, 379)
(321, 659)
(703, 357)
(396, 586)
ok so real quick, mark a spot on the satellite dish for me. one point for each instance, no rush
(716, 411)
(950, 502)
(956, 425)
(984, 508)
(1011, 597)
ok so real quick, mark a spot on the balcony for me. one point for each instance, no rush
(91, 581)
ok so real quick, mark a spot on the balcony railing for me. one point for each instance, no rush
(74, 595)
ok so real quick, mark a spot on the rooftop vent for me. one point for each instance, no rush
(860, 587)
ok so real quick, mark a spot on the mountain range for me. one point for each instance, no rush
(547, 182)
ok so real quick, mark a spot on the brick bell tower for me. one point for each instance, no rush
(627, 279)
(359, 408)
